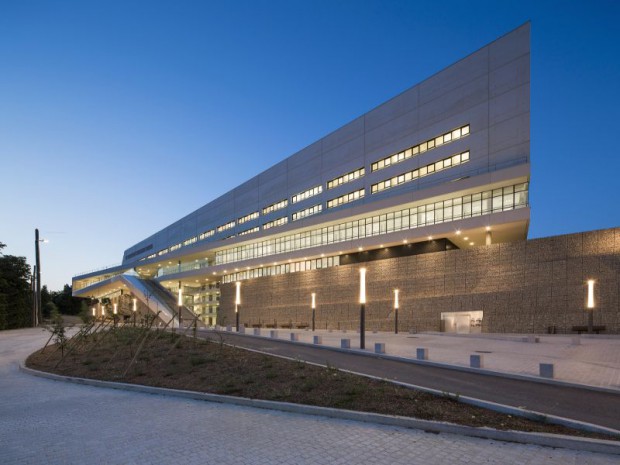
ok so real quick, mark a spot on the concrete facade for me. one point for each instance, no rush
(521, 287)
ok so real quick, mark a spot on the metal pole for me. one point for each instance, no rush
(38, 265)
(237, 316)
(313, 319)
(396, 320)
(33, 289)
(590, 321)
(362, 326)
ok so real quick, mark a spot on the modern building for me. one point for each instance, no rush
(428, 192)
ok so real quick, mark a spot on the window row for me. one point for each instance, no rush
(421, 148)
(275, 206)
(346, 198)
(482, 203)
(206, 234)
(224, 227)
(307, 212)
(276, 222)
(307, 194)
(431, 168)
(352, 176)
(246, 218)
(272, 270)
(249, 231)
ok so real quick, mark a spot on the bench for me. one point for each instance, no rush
(584, 329)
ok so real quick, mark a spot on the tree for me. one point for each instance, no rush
(15, 292)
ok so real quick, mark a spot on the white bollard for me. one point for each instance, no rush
(273, 334)
(421, 353)
(379, 347)
(317, 340)
(294, 337)
(241, 329)
(345, 343)
(256, 331)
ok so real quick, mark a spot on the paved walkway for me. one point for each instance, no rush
(48, 422)
(593, 361)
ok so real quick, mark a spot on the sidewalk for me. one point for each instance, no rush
(593, 361)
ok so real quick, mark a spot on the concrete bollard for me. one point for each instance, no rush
(294, 337)
(229, 328)
(379, 347)
(345, 343)
(317, 340)
(546, 370)
(256, 331)
(476, 361)
(421, 353)
(273, 334)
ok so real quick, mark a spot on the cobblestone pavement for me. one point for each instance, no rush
(48, 422)
(587, 360)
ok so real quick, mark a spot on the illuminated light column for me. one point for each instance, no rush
(135, 309)
(396, 291)
(102, 311)
(488, 236)
(115, 313)
(362, 308)
(115, 309)
(180, 301)
(590, 305)
(237, 303)
(94, 312)
(313, 308)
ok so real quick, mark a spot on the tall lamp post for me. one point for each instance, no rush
(362, 308)
(180, 301)
(313, 309)
(396, 291)
(590, 306)
(237, 303)
(38, 311)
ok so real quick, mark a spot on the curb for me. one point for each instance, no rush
(540, 439)
(481, 371)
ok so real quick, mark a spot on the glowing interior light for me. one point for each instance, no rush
(238, 293)
(458, 232)
(362, 285)
(396, 291)
(115, 309)
(135, 304)
(313, 300)
(590, 293)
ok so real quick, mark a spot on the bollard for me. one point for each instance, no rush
(421, 353)
(256, 331)
(475, 361)
(546, 370)
(317, 340)
(345, 343)
(294, 337)
(379, 347)
(273, 334)
(241, 329)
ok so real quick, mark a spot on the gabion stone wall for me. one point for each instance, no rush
(522, 287)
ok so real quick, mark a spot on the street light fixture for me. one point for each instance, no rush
(590, 305)
(362, 308)
(396, 291)
(37, 310)
(313, 309)
(237, 303)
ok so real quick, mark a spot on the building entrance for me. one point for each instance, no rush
(461, 322)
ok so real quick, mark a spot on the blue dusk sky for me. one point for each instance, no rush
(119, 117)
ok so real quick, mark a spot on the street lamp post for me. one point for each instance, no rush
(313, 309)
(362, 308)
(590, 306)
(396, 291)
(39, 310)
(237, 303)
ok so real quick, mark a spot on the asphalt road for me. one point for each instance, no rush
(599, 408)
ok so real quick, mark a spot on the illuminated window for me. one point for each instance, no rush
(307, 212)
(249, 231)
(273, 270)
(421, 148)
(307, 194)
(190, 240)
(352, 176)
(431, 168)
(275, 206)
(206, 234)
(276, 222)
(346, 198)
(226, 226)
(251, 216)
